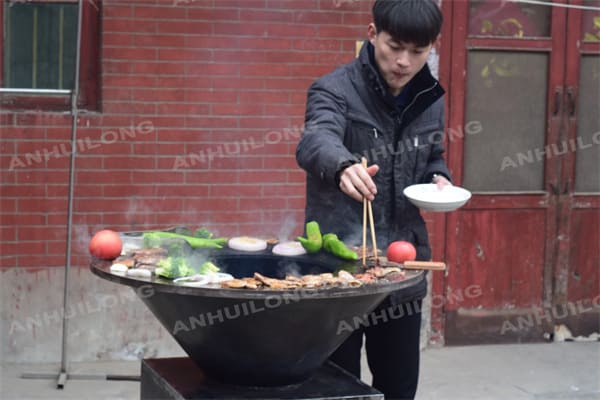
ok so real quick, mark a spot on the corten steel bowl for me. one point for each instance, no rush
(260, 337)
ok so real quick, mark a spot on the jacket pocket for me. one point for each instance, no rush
(365, 139)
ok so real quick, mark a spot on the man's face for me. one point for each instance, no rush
(398, 62)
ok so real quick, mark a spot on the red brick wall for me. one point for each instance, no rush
(202, 106)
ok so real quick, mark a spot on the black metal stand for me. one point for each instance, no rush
(182, 379)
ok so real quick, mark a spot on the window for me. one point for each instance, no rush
(38, 53)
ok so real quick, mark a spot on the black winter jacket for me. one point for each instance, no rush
(350, 113)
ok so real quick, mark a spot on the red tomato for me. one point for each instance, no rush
(106, 244)
(401, 251)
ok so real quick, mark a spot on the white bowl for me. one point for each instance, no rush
(429, 197)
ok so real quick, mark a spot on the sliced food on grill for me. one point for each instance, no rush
(118, 268)
(139, 273)
(234, 284)
(291, 248)
(247, 243)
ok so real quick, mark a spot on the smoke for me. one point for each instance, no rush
(288, 226)
(290, 268)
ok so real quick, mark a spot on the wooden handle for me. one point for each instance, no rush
(428, 265)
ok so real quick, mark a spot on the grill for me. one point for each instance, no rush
(264, 337)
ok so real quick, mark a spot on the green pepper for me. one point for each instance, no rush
(335, 246)
(194, 242)
(313, 241)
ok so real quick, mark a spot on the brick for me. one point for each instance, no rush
(293, 4)
(214, 14)
(6, 205)
(345, 5)
(183, 27)
(237, 109)
(182, 191)
(210, 96)
(236, 217)
(128, 107)
(265, 43)
(346, 32)
(129, 191)
(22, 219)
(204, 69)
(243, 3)
(356, 19)
(241, 163)
(265, 97)
(289, 83)
(128, 81)
(42, 233)
(208, 122)
(237, 191)
(184, 55)
(158, 95)
(284, 109)
(213, 42)
(92, 190)
(41, 119)
(23, 190)
(144, 12)
(117, 39)
(29, 176)
(8, 261)
(18, 248)
(23, 133)
(266, 16)
(125, 25)
(262, 176)
(213, 203)
(117, 66)
(274, 162)
(104, 177)
(116, 10)
(265, 69)
(160, 40)
(183, 109)
(158, 68)
(143, 177)
(211, 177)
(42, 261)
(319, 18)
(316, 44)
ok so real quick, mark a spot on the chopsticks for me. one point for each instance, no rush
(368, 208)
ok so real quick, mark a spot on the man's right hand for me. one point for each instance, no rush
(356, 181)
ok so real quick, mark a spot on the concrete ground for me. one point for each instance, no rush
(553, 371)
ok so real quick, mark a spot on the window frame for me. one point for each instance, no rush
(89, 68)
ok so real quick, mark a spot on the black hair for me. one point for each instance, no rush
(410, 21)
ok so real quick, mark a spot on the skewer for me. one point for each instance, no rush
(364, 231)
(370, 207)
(367, 206)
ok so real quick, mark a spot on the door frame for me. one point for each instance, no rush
(468, 329)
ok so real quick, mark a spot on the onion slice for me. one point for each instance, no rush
(292, 248)
(194, 280)
(246, 243)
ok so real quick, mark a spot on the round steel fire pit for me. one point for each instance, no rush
(260, 337)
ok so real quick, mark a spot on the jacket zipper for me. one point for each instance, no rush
(413, 102)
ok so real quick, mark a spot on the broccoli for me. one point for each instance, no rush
(203, 233)
(173, 267)
(208, 267)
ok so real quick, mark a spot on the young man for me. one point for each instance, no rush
(385, 106)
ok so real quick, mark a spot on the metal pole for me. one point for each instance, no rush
(23, 91)
(74, 116)
(63, 375)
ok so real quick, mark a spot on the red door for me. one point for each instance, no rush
(528, 240)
